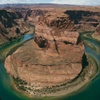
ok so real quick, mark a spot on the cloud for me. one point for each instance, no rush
(77, 2)
(19, 1)
(73, 2)
(25, 1)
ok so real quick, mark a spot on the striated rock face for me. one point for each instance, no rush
(98, 29)
(62, 19)
(11, 25)
(86, 16)
(7, 18)
(96, 34)
(62, 25)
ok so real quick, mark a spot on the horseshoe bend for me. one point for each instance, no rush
(54, 62)
(44, 68)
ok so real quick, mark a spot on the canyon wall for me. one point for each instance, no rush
(11, 25)
(62, 24)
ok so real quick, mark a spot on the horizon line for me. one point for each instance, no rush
(48, 4)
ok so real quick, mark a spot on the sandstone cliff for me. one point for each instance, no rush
(11, 25)
(54, 24)
(72, 20)
(97, 32)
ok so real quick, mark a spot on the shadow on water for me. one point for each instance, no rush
(84, 61)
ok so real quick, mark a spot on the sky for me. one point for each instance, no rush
(73, 2)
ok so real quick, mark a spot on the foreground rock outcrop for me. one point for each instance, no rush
(43, 68)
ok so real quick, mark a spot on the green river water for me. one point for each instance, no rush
(90, 92)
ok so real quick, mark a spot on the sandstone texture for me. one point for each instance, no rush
(96, 34)
(60, 19)
(42, 67)
(46, 66)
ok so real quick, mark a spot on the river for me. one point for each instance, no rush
(91, 91)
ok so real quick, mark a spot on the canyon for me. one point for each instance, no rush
(55, 57)
(12, 25)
